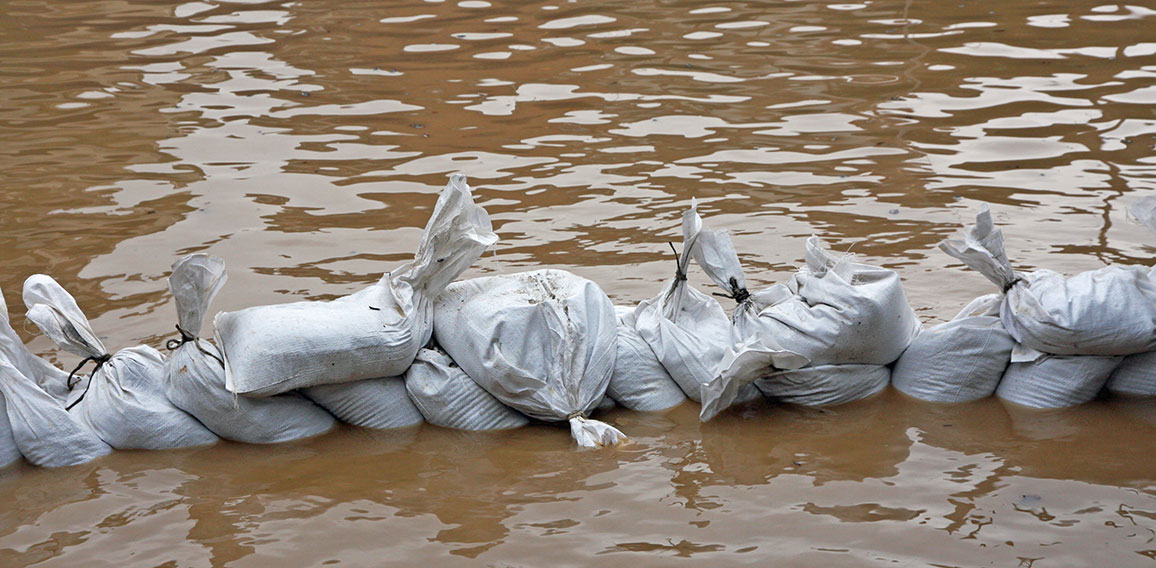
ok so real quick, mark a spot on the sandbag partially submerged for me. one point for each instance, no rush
(1056, 381)
(686, 329)
(380, 404)
(373, 333)
(124, 401)
(34, 421)
(640, 382)
(1135, 376)
(194, 375)
(447, 397)
(542, 342)
(825, 385)
(1109, 311)
(960, 360)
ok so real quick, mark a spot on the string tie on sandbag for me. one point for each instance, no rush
(576, 414)
(738, 293)
(100, 361)
(678, 273)
(1012, 284)
(186, 337)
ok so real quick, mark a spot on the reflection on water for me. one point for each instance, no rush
(304, 141)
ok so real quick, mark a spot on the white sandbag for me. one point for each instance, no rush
(640, 382)
(960, 360)
(124, 401)
(46, 434)
(542, 342)
(831, 311)
(1056, 381)
(745, 363)
(380, 404)
(448, 397)
(9, 452)
(686, 329)
(373, 333)
(1136, 376)
(1109, 311)
(194, 376)
(825, 385)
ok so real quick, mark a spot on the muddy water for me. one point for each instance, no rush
(304, 142)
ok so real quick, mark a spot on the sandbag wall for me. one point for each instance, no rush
(503, 351)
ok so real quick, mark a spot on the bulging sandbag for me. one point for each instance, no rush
(380, 404)
(542, 342)
(960, 360)
(686, 329)
(640, 382)
(448, 397)
(1056, 381)
(194, 376)
(1109, 311)
(1136, 376)
(373, 333)
(825, 385)
(124, 401)
(34, 421)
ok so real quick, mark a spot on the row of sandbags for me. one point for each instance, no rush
(1045, 340)
(497, 351)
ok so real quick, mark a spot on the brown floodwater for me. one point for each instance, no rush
(305, 142)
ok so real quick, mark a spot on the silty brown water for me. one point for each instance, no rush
(304, 142)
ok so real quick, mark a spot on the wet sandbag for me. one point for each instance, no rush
(124, 401)
(380, 404)
(825, 385)
(640, 382)
(1136, 376)
(1056, 381)
(9, 452)
(448, 397)
(1109, 311)
(373, 333)
(542, 342)
(686, 329)
(960, 360)
(194, 376)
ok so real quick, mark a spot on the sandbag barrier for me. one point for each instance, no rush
(502, 351)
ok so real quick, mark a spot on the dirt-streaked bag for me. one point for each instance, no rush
(448, 397)
(195, 371)
(825, 385)
(373, 333)
(960, 360)
(124, 401)
(542, 342)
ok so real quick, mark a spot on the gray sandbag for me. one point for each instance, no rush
(194, 375)
(124, 401)
(1056, 381)
(686, 329)
(34, 421)
(825, 385)
(542, 342)
(960, 360)
(448, 397)
(1135, 377)
(373, 333)
(380, 404)
(640, 382)
(1109, 311)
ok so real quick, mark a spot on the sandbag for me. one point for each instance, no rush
(380, 404)
(194, 375)
(1056, 381)
(373, 333)
(1136, 376)
(124, 401)
(448, 397)
(960, 360)
(825, 385)
(542, 342)
(686, 329)
(32, 420)
(639, 382)
(1109, 311)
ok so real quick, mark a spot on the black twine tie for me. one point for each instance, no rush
(186, 337)
(738, 293)
(100, 361)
